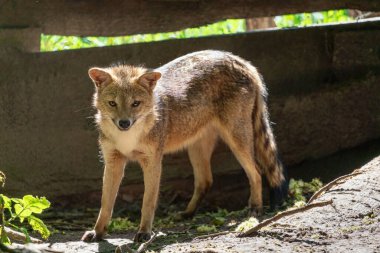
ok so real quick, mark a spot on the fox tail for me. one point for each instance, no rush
(265, 149)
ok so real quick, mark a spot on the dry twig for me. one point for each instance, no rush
(283, 214)
(330, 185)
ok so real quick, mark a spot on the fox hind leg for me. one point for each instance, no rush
(239, 137)
(200, 157)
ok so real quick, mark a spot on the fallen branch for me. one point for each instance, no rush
(144, 245)
(141, 248)
(18, 236)
(283, 214)
(330, 185)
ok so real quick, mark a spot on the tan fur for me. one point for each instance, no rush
(199, 98)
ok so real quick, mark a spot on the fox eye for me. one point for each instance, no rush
(136, 103)
(112, 103)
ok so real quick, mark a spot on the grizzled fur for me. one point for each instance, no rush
(189, 103)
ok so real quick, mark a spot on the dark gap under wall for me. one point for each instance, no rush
(230, 191)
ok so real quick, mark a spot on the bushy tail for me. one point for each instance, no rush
(266, 154)
(265, 146)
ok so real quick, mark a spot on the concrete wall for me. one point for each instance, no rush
(324, 96)
(115, 17)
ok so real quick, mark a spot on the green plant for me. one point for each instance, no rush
(307, 19)
(247, 224)
(121, 224)
(301, 191)
(206, 228)
(15, 212)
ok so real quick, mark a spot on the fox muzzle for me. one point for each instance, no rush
(124, 124)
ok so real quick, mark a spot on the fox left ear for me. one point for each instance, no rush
(99, 76)
(149, 79)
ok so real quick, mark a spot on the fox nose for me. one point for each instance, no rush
(124, 124)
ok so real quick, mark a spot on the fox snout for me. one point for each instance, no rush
(124, 124)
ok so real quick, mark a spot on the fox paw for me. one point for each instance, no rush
(256, 211)
(141, 237)
(91, 236)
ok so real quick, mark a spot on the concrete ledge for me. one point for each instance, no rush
(24, 39)
(115, 17)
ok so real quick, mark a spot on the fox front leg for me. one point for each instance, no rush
(152, 173)
(113, 174)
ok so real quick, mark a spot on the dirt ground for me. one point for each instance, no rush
(350, 224)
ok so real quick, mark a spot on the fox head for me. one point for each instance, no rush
(124, 94)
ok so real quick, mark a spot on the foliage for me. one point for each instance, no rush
(247, 224)
(301, 191)
(221, 219)
(307, 19)
(229, 26)
(56, 42)
(206, 228)
(121, 224)
(15, 211)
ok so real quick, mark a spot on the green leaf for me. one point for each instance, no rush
(42, 202)
(39, 226)
(247, 224)
(35, 204)
(18, 209)
(5, 201)
(218, 221)
(206, 229)
(22, 212)
(121, 224)
(16, 200)
(25, 232)
(28, 199)
(4, 239)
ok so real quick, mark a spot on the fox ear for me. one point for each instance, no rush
(99, 76)
(149, 79)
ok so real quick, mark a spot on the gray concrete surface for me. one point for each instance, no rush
(350, 224)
